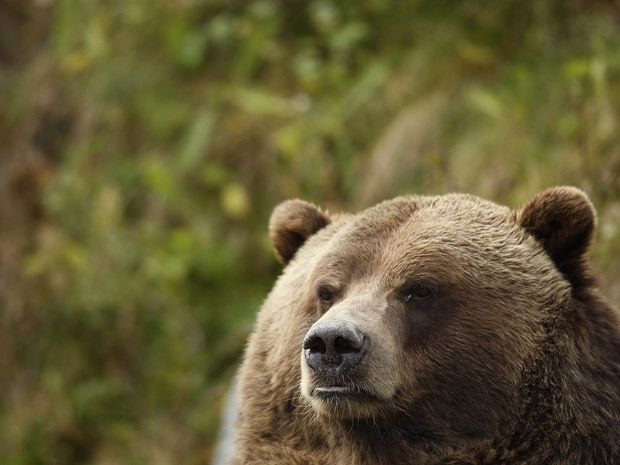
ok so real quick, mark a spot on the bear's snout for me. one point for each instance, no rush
(334, 347)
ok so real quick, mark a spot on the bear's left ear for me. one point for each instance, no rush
(291, 223)
(563, 220)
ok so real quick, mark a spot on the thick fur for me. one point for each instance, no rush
(513, 359)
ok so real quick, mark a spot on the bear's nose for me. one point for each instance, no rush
(334, 347)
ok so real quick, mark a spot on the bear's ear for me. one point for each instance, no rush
(563, 220)
(291, 223)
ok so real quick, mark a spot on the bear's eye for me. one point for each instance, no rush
(417, 292)
(325, 293)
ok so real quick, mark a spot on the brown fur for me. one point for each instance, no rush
(513, 359)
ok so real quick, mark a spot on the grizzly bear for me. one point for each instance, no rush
(433, 330)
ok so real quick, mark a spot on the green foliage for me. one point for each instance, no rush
(164, 132)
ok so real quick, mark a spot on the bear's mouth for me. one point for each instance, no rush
(343, 398)
(336, 392)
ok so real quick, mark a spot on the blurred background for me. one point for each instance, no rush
(144, 143)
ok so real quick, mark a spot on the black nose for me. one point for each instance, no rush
(334, 347)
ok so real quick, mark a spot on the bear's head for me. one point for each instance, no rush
(428, 309)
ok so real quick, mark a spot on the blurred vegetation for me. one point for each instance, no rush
(143, 145)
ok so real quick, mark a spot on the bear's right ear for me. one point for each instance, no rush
(563, 220)
(291, 223)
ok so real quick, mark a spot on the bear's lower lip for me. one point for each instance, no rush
(327, 392)
(332, 390)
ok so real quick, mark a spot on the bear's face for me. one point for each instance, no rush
(427, 306)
